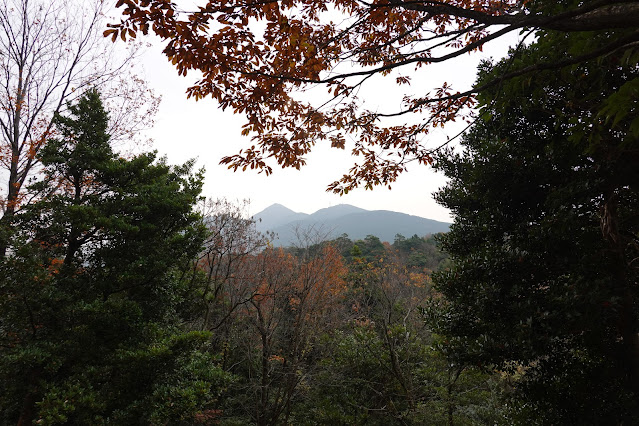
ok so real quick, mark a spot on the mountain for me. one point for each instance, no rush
(275, 216)
(357, 223)
(335, 212)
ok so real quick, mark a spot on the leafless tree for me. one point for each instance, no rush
(50, 52)
(232, 239)
(295, 297)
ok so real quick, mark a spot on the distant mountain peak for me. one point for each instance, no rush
(345, 218)
(277, 207)
(276, 215)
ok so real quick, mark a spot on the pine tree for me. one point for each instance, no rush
(90, 329)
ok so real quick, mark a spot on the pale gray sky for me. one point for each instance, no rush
(187, 129)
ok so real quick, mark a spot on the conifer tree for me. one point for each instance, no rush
(90, 330)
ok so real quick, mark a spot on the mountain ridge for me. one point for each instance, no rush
(276, 215)
(354, 221)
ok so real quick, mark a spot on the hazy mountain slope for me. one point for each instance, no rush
(275, 216)
(345, 219)
(385, 225)
(335, 212)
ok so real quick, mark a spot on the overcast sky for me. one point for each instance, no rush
(187, 129)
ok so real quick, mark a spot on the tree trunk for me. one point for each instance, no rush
(262, 417)
(627, 321)
(27, 413)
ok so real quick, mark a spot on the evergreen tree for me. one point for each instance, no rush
(90, 330)
(544, 283)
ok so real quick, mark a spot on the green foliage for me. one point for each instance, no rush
(370, 248)
(622, 104)
(89, 324)
(356, 384)
(421, 252)
(418, 253)
(545, 199)
(379, 368)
